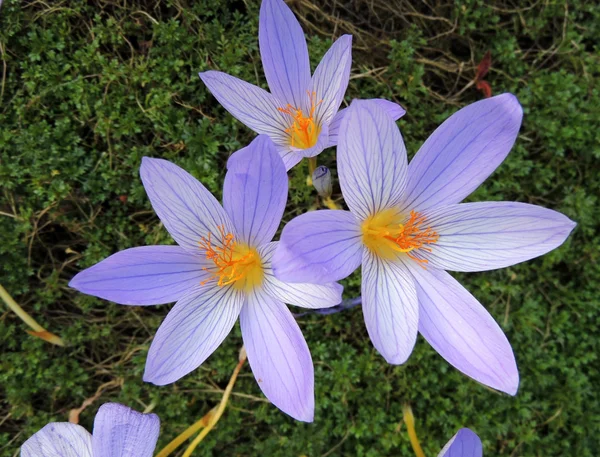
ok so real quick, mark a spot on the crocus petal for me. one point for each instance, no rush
(284, 53)
(255, 191)
(278, 355)
(464, 444)
(59, 439)
(390, 307)
(488, 235)
(186, 208)
(461, 330)
(371, 159)
(318, 247)
(146, 275)
(290, 157)
(249, 104)
(393, 109)
(463, 152)
(331, 78)
(305, 295)
(192, 330)
(120, 431)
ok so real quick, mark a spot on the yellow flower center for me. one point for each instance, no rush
(235, 263)
(303, 132)
(386, 235)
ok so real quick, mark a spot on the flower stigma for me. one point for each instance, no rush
(385, 235)
(304, 131)
(234, 263)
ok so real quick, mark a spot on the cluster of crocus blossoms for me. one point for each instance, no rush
(405, 226)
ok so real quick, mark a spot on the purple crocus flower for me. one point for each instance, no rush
(464, 444)
(221, 269)
(118, 431)
(299, 114)
(406, 226)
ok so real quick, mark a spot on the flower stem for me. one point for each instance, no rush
(312, 165)
(38, 330)
(329, 203)
(169, 448)
(219, 410)
(409, 420)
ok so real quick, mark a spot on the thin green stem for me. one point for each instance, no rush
(219, 412)
(38, 330)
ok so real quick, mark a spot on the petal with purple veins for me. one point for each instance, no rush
(319, 247)
(59, 439)
(146, 275)
(305, 295)
(393, 109)
(284, 53)
(255, 191)
(120, 431)
(463, 152)
(390, 307)
(461, 330)
(278, 355)
(488, 235)
(330, 79)
(193, 329)
(249, 104)
(372, 160)
(464, 444)
(186, 208)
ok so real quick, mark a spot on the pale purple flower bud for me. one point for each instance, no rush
(321, 179)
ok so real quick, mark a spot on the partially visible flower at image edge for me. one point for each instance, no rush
(300, 114)
(220, 270)
(464, 444)
(406, 226)
(118, 431)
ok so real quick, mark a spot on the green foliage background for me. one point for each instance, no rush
(89, 87)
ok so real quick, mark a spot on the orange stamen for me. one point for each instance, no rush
(384, 236)
(304, 131)
(411, 236)
(233, 261)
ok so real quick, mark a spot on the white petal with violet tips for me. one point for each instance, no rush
(59, 439)
(255, 191)
(390, 308)
(305, 295)
(318, 247)
(463, 152)
(371, 159)
(249, 104)
(284, 53)
(488, 235)
(146, 275)
(462, 331)
(120, 431)
(186, 208)
(278, 355)
(193, 329)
